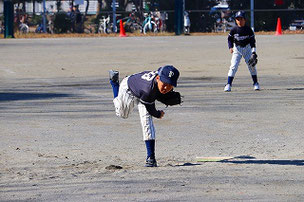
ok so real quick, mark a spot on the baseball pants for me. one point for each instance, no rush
(124, 104)
(238, 53)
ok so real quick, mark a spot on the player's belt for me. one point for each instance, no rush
(242, 45)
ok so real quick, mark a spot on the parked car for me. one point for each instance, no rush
(297, 25)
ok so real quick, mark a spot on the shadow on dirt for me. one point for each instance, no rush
(253, 160)
(188, 164)
(30, 96)
(272, 162)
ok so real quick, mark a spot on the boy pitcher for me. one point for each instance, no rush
(142, 89)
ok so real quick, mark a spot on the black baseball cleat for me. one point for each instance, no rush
(114, 75)
(150, 162)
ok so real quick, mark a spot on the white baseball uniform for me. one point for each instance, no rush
(242, 40)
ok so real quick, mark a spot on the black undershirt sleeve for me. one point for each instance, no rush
(252, 39)
(152, 110)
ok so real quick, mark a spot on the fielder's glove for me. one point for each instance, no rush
(171, 98)
(253, 60)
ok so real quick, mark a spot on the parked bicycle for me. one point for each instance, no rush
(1, 28)
(49, 27)
(160, 20)
(105, 26)
(132, 24)
(186, 23)
(149, 24)
(21, 20)
(23, 28)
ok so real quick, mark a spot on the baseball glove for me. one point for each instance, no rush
(171, 98)
(253, 60)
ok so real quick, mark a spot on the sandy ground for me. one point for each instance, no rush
(59, 135)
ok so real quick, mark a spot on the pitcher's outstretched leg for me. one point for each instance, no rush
(114, 81)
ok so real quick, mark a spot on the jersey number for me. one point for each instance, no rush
(149, 76)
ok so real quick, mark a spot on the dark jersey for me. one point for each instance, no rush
(241, 36)
(143, 86)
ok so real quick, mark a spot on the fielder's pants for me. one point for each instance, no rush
(124, 104)
(238, 53)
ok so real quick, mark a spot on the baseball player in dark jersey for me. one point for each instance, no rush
(241, 43)
(142, 89)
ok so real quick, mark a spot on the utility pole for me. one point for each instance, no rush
(178, 16)
(114, 15)
(252, 14)
(44, 17)
(8, 19)
(184, 9)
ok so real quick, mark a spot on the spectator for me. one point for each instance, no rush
(72, 15)
(78, 19)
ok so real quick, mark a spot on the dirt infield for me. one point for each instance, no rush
(61, 141)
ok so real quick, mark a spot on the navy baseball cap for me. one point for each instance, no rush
(240, 14)
(168, 74)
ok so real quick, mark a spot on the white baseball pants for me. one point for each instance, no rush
(124, 104)
(238, 53)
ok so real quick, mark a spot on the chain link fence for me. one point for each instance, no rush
(201, 21)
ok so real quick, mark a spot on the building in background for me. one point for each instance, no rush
(51, 6)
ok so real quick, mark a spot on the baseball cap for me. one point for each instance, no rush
(168, 74)
(240, 14)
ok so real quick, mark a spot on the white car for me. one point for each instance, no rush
(296, 25)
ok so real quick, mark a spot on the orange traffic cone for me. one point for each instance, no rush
(122, 32)
(279, 28)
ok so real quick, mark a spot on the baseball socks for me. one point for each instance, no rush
(114, 81)
(229, 83)
(150, 161)
(254, 78)
(256, 85)
(230, 79)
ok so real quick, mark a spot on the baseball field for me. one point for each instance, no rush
(61, 141)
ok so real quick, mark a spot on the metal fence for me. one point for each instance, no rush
(201, 20)
(264, 20)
